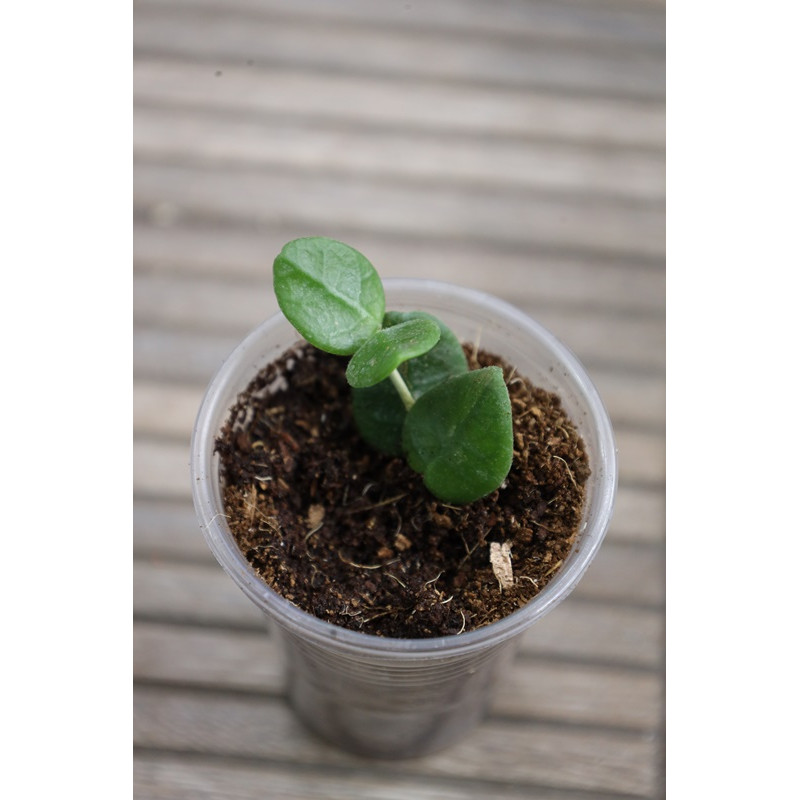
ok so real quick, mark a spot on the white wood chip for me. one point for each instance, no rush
(500, 558)
(316, 514)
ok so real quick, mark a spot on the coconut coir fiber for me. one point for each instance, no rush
(354, 537)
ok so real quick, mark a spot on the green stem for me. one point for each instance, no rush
(402, 389)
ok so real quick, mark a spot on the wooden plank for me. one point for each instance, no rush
(214, 34)
(180, 355)
(595, 633)
(194, 357)
(586, 24)
(399, 103)
(166, 134)
(572, 693)
(538, 279)
(168, 344)
(534, 754)
(633, 399)
(263, 197)
(169, 776)
(636, 399)
(168, 529)
(211, 304)
(578, 630)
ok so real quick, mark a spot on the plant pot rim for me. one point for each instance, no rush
(208, 503)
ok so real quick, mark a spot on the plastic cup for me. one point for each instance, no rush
(397, 698)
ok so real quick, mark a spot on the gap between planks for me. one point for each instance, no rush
(532, 754)
(408, 104)
(617, 698)
(220, 38)
(170, 775)
(163, 133)
(635, 24)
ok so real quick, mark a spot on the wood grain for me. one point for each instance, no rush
(400, 102)
(260, 727)
(214, 35)
(314, 201)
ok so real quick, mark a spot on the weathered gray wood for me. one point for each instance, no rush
(634, 400)
(213, 34)
(573, 693)
(168, 529)
(532, 277)
(593, 632)
(534, 754)
(236, 308)
(637, 24)
(167, 776)
(264, 197)
(165, 134)
(602, 344)
(402, 103)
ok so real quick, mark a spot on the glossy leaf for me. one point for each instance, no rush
(444, 360)
(379, 413)
(459, 436)
(387, 349)
(330, 293)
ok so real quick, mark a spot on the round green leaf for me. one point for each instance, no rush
(379, 413)
(459, 436)
(387, 349)
(329, 292)
(442, 361)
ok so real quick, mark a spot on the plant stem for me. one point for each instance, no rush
(402, 389)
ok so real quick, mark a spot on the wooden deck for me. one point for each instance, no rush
(513, 146)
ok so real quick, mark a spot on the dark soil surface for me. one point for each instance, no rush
(355, 538)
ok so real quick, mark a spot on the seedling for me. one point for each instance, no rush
(413, 392)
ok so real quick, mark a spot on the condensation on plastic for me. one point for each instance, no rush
(397, 698)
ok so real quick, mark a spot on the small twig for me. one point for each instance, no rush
(386, 502)
(569, 471)
(312, 532)
(366, 566)
(552, 569)
(433, 580)
(395, 578)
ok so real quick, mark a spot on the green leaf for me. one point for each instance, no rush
(459, 436)
(444, 360)
(387, 349)
(379, 413)
(330, 293)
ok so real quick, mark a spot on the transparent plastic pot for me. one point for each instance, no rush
(398, 698)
